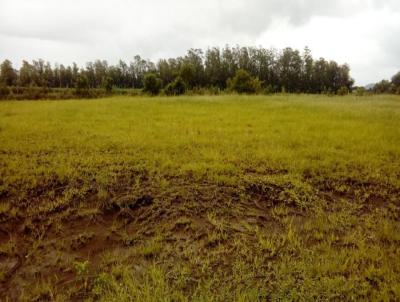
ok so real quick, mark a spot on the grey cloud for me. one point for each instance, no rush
(254, 16)
(54, 20)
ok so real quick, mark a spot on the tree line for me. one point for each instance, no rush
(287, 70)
(386, 86)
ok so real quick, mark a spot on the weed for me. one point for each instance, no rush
(152, 248)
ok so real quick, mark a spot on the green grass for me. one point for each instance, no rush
(286, 197)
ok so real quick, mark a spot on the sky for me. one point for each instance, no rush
(363, 33)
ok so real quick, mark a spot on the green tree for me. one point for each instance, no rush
(396, 80)
(26, 74)
(285, 70)
(307, 73)
(152, 84)
(177, 87)
(383, 86)
(343, 91)
(214, 69)
(4, 91)
(8, 75)
(291, 64)
(48, 76)
(243, 82)
(81, 85)
(360, 91)
(108, 84)
(194, 59)
(187, 73)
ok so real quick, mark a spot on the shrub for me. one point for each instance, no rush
(177, 87)
(383, 86)
(33, 93)
(243, 82)
(152, 84)
(396, 80)
(82, 86)
(107, 84)
(360, 91)
(343, 91)
(269, 89)
(204, 91)
(4, 91)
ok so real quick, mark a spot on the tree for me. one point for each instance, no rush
(4, 91)
(396, 80)
(287, 70)
(108, 84)
(165, 71)
(177, 87)
(38, 72)
(243, 82)
(229, 64)
(74, 73)
(290, 64)
(26, 74)
(194, 66)
(319, 75)
(383, 86)
(82, 85)
(8, 75)
(187, 73)
(100, 71)
(90, 74)
(360, 91)
(213, 69)
(140, 68)
(343, 91)
(48, 76)
(56, 76)
(307, 72)
(151, 84)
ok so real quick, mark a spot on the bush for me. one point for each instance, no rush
(396, 80)
(107, 84)
(343, 91)
(243, 82)
(152, 84)
(4, 91)
(269, 89)
(383, 86)
(82, 86)
(360, 91)
(177, 87)
(33, 93)
(204, 91)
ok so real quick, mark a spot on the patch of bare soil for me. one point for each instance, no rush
(46, 248)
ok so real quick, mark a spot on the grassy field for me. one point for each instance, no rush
(230, 198)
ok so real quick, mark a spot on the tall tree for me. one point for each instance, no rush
(307, 72)
(275, 70)
(26, 74)
(396, 79)
(8, 75)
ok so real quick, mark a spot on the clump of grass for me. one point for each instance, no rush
(151, 248)
(271, 244)
(4, 208)
(9, 248)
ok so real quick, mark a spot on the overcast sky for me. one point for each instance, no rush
(362, 33)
